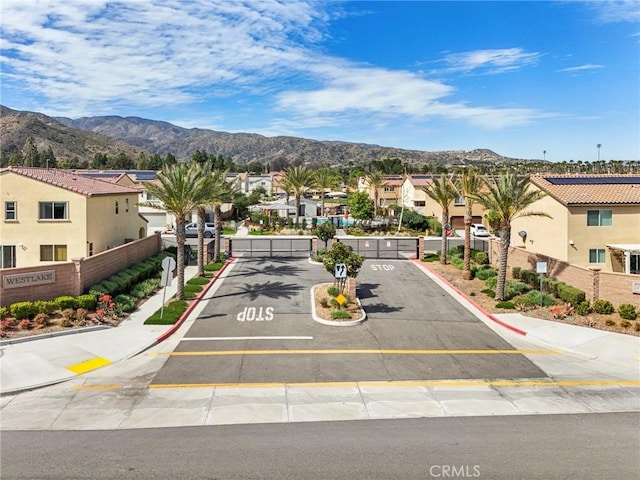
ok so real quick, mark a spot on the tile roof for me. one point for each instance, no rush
(70, 181)
(585, 189)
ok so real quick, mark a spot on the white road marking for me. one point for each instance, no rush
(246, 338)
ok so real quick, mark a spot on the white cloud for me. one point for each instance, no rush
(490, 61)
(616, 11)
(581, 68)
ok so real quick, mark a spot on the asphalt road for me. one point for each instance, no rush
(257, 328)
(585, 447)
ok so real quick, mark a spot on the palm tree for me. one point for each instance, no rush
(221, 192)
(325, 179)
(443, 191)
(203, 171)
(179, 188)
(468, 184)
(376, 181)
(298, 180)
(508, 196)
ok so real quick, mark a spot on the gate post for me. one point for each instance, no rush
(228, 246)
(420, 248)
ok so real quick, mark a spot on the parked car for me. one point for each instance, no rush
(479, 230)
(191, 230)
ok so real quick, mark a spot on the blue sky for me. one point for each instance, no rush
(516, 77)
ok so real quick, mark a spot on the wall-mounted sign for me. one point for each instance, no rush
(28, 279)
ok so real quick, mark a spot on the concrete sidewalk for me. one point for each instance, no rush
(45, 360)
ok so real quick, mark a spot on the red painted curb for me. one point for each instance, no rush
(193, 304)
(478, 307)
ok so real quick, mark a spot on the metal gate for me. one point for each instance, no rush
(383, 247)
(275, 246)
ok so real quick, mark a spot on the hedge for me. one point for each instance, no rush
(570, 294)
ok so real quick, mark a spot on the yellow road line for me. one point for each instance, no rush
(88, 365)
(415, 383)
(358, 352)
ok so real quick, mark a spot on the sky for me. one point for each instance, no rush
(536, 80)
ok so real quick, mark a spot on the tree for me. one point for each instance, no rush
(508, 196)
(443, 191)
(343, 253)
(298, 180)
(376, 181)
(221, 191)
(179, 189)
(31, 154)
(326, 179)
(325, 232)
(360, 206)
(468, 184)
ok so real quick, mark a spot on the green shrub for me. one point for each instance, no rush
(512, 289)
(145, 288)
(489, 292)
(88, 302)
(98, 289)
(551, 286)
(43, 306)
(485, 273)
(333, 291)
(533, 298)
(603, 306)
(41, 320)
(491, 282)
(431, 257)
(530, 277)
(457, 262)
(170, 315)
(481, 258)
(340, 314)
(22, 310)
(198, 281)
(110, 286)
(506, 305)
(583, 308)
(4, 312)
(515, 272)
(459, 250)
(65, 301)
(213, 267)
(125, 302)
(627, 311)
(570, 294)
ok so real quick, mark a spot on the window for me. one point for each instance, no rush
(53, 253)
(418, 203)
(90, 249)
(389, 189)
(599, 218)
(151, 197)
(126, 205)
(53, 211)
(117, 207)
(10, 211)
(459, 201)
(596, 255)
(8, 258)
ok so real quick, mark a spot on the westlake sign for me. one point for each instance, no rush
(28, 279)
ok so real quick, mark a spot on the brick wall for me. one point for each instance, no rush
(615, 287)
(73, 277)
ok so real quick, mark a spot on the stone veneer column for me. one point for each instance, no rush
(78, 286)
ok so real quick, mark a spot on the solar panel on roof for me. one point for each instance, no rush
(593, 180)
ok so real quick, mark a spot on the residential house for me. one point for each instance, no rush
(415, 198)
(51, 215)
(248, 183)
(595, 221)
(389, 194)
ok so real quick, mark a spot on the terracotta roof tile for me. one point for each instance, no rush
(71, 181)
(590, 192)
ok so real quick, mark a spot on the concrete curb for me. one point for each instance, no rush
(490, 316)
(93, 328)
(332, 323)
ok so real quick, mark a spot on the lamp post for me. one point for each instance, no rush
(598, 146)
(544, 155)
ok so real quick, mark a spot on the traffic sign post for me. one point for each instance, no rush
(340, 274)
(168, 266)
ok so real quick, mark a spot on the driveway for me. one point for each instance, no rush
(258, 328)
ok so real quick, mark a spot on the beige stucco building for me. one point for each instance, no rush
(595, 221)
(51, 215)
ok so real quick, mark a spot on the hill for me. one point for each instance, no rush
(66, 142)
(82, 138)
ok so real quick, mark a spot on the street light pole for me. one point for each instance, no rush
(599, 145)
(544, 155)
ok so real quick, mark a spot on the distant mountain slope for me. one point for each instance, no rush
(65, 141)
(163, 138)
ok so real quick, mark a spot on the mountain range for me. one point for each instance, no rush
(83, 137)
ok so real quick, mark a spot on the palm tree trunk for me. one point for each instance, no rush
(217, 214)
(297, 209)
(443, 245)
(466, 269)
(322, 198)
(201, 214)
(180, 238)
(505, 238)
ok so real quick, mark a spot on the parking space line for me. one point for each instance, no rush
(205, 339)
(359, 352)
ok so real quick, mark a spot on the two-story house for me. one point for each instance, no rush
(388, 194)
(595, 221)
(52, 215)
